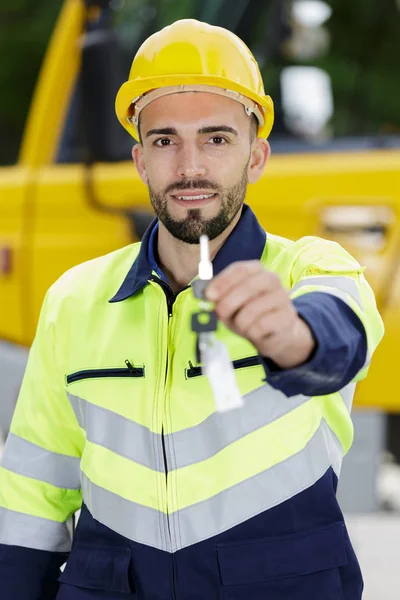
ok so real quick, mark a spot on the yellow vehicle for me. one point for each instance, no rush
(59, 208)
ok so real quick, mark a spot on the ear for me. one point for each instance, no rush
(259, 156)
(137, 155)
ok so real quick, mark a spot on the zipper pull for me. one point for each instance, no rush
(129, 366)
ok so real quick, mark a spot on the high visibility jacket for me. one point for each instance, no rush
(179, 502)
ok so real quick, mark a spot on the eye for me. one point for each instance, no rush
(162, 142)
(217, 140)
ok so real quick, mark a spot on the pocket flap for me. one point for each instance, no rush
(105, 568)
(283, 556)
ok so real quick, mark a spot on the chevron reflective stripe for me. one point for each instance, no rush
(257, 494)
(24, 458)
(230, 507)
(137, 522)
(19, 529)
(194, 444)
(347, 394)
(261, 407)
(334, 447)
(116, 433)
(336, 285)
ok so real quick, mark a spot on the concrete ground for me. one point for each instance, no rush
(376, 541)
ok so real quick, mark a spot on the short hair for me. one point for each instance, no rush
(138, 129)
(253, 127)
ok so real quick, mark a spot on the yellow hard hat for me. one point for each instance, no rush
(190, 55)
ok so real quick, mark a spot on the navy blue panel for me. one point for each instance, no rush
(246, 242)
(341, 348)
(322, 585)
(98, 568)
(311, 512)
(150, 570)
(282, 556)
(27, 574)
(152, 253)
(139, 273)
(298, 550)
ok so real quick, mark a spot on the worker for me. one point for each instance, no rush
(115, 419)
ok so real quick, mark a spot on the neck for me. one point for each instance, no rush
(179, 261)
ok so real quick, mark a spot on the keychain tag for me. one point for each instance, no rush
(218, 368)
(211, 352)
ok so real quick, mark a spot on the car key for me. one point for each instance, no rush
(210, 351)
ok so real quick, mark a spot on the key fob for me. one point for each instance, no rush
(204, 321)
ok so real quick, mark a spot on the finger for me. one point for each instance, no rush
(269, 324)
(231, 276)
(237, 297)
(256, 308)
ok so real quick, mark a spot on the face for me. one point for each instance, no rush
(197, 156)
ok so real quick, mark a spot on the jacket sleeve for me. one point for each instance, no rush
(39, 474)
(331, 294)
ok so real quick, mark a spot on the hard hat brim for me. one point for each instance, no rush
(132, 90)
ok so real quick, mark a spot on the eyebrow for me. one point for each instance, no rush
(217, 129)
(208, 129)
(164, 131)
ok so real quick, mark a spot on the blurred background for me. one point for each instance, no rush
(68, 191)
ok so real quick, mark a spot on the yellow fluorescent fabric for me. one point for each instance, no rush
(101, 392)
(122, 476)
(36, 498)
(43, 414)
(81, 331)
(267, 446)
(336, 415)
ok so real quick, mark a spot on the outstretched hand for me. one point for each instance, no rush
(253, 303)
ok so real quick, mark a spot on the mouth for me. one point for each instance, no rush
(193, 199)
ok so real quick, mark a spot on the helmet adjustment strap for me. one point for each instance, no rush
(140, 102)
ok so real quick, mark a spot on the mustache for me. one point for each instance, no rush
(193, 184)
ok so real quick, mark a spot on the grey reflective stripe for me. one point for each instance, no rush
(262, 406)
(367, 361)
(223, 511)
(120, 435)
(344, 284)
(30, 460)
(257, 494)
(335, 449)
(134, 521)
(19, 529)
(347, 394)
(191, 445)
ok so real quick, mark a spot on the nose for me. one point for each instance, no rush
(190, 162)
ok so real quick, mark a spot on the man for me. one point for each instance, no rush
(181, 501)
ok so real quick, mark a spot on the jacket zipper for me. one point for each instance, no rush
(128, 371)
(250, 361)
(170, 297)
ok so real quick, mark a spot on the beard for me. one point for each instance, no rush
(190, 229)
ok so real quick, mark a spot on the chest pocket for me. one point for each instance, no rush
(296, 567)
(89, 567)
(128, 371)
(108, 404)
(241, 363)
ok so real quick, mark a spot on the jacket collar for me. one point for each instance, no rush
(246, 242)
